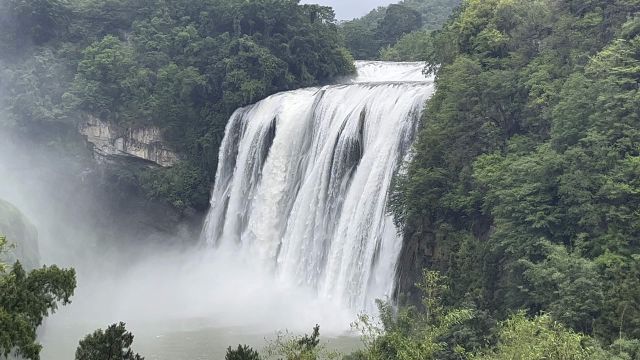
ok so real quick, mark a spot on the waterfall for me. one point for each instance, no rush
(303, 180)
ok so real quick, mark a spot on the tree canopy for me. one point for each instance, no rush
(522, 188)
(370, 36)
(114, 343)
(182, 66)
(25, 300)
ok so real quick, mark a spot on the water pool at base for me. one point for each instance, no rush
(178, 340)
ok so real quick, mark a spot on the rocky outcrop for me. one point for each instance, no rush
(21, 235)
(110, 141)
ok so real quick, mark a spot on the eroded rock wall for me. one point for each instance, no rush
(110, 141)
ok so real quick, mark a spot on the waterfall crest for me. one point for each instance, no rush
(383, 71)
(303, 180)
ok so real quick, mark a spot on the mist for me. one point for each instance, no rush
(350, 9)
(165, 294)
(137, 260)
(158, 282)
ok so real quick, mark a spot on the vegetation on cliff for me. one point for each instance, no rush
(521, 198)
(523, 189)
(114, 343)
(180, 65)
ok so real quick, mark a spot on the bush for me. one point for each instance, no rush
(243, 352)
(112, 344)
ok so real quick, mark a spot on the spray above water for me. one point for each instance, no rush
(303, 181)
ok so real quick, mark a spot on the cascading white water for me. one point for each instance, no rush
(382, 71)
(303, 181)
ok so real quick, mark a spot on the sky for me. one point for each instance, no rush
(349, 9)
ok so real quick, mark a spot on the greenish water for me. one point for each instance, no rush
(177, 340)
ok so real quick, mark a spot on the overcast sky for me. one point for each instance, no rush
(349, 9)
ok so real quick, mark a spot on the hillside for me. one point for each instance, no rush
(174, 71)
(384, 26)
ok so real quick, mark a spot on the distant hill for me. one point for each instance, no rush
(434, 12)
(384, 26)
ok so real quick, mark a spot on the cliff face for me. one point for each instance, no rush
(21, 234)
(425, 246)
(111, 141)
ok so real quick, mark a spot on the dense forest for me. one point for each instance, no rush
(396, 32)
(181, 66)
(520, 207)
(523, 188)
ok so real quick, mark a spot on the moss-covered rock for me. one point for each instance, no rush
(21, 234)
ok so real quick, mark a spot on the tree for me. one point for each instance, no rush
(538, 339)
(361, 40)
(434, 12)
(566, 285)
(414, 46)
(243, 352)
(32, 21)
(3, 250)
(407, 333)
(398, 20)
(111, 344)
(36, 97)
(523, 183)
(375, 34)
(105, 81)
(185, 67)
(25, 300)
(305, 347)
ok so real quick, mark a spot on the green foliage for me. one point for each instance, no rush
(31, 21)
(4, 248)
(375, 35)
(623, 349)
(435, 13)
(397, 21)
(567, 285)
(537, 339)
(436, 332)
(181, 66)
(243, 352)
(181, 185)
(414, 46)
(523, 187)
(360, 39)
(35, 96)
(25, 300)
(305, 347)
(111, 344)
(407, 333)
(106, 80)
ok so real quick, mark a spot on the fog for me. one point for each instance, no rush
(201, 284)
(158, 282)
(169, 293)
(349, 9)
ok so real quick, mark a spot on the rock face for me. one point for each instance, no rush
(112, 141)
(21, 234)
